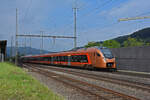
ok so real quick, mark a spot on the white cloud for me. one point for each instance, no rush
(34, 15)
(53, 15)
(130, 8)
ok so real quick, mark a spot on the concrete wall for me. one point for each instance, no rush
(133, 58)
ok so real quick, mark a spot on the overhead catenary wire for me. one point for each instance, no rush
(27, 9)
(92, 11)
(97, 8)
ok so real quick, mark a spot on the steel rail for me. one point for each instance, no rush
(119, 95)
(50, 74)
(141, 86)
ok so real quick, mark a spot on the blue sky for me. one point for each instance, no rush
(96, 20)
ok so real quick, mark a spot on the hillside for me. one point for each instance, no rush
(139, 38)
(23, 51)
(143, 34)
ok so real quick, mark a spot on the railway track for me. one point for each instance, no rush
(134, 74)
(141, 86)
(99, 93)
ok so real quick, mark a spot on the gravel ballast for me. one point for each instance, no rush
(72, 94)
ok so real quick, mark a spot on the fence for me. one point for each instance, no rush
(133, 58)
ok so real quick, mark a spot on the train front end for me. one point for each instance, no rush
(108, 60)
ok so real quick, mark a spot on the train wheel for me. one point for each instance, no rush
(114, 70)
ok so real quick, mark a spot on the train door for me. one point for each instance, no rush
(51, 60)
(95, 59)
(92, 58)
(69, 60)
(98, 59)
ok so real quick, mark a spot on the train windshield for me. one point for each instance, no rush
(106, 52)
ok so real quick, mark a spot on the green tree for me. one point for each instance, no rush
(92, 44)
(111, 44)
(147, 44)
(131, 42)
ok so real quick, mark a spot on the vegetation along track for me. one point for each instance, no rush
(136, 85)
(99, 93)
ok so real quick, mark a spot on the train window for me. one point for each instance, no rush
(84, 58)
(79, 58)
(55, 58)
(42, 58)
(52, 58)
(62, 58)
(46, 58)
(58, 58)
(106, 52)
(66, 58)
(72, 58)
(98, 54)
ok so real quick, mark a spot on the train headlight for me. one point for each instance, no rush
(104, 59)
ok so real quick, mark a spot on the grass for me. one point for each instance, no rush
(16, 84)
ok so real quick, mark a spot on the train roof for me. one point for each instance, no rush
(78, 49)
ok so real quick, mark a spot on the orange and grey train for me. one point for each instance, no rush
(94, 57)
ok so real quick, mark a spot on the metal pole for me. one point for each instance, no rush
(16, 58)
(25, 47)
(42, 43)
(75, 27)
(30, 46)
(11, 51)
